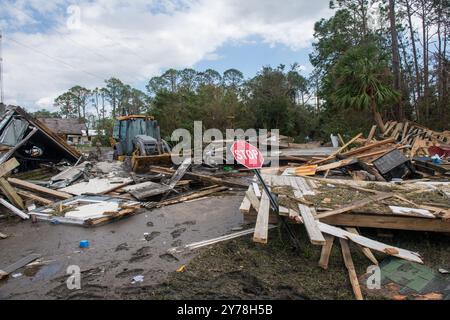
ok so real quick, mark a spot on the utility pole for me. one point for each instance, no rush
(1, 70)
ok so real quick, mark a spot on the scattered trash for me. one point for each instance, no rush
(137, 279)
(181, 269)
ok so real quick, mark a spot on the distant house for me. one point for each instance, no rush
(70, 130)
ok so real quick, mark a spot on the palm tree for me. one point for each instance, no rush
(363, 81)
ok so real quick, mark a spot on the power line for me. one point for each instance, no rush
(66, 37)
(56, 59)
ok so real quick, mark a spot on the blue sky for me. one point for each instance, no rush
(50, 46)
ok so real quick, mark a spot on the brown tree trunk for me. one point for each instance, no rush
(416, 60)
(395, 59)
(377, 116)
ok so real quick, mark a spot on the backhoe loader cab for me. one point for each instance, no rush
(138, 136)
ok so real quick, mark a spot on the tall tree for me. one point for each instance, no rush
(363, 81)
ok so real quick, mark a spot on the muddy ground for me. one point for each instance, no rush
(241, 269)
(118, 251)
(236, 269)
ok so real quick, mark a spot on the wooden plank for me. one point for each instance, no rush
(365, 251)
(8, 166)
(369, 243)
(326, 252)
(21, 263)
(31, 196)
(262, 221)
(336, 164)
(253, 199)
(245, 205)
(33, 187)
(11, 193)
(355, 205)
(315, 236)
(371, 134)
(368, 147)
(389, 222)
(256, 190)
(351, 269)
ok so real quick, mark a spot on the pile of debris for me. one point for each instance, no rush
(398, 182)
(323, 205)
(404, 151)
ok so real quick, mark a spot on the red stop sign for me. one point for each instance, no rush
(247, 155)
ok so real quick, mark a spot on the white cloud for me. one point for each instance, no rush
(134, 40)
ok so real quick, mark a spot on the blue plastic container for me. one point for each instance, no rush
(84, 244)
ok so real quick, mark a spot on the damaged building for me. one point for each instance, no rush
(31, 142)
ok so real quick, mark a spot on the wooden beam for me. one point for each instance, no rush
(34, 197)
(389, 222)
(250, 194)
(326, 252)
(371, 134)
(365, 251)
(8, 166)
(368, 147)
(351, 269)
(262, 221)
(11, 193)
(245, 205)
(371, 244)
(355, 205)
(33, 187)
(315, 236)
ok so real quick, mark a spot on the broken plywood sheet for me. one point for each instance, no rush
(93, 210)
(95, 186)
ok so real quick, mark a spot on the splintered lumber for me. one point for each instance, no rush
(351, 269)
(355, 205)
(311, 226)
(262, 221)
(369, 243)
(16, 211)
(367, 147)
(33, 187)
(11, 193)
(326, 252)
(31, 196)
(371, 134)
(151, 190)
(365, 251)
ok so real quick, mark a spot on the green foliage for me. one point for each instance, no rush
(363, 79)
